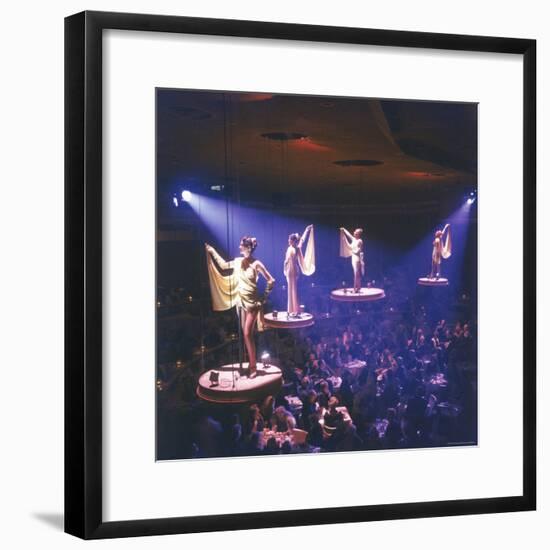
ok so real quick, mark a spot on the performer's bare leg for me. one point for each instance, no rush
(242, 349)
(357, 279)
(248, 334)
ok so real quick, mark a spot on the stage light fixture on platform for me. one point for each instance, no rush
(214, 378)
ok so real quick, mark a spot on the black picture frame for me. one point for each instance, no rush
(83, 273)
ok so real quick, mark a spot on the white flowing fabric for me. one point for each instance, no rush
(307, 260)
(447, 247)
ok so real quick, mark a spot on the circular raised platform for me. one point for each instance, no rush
(364, 295)
(234, 386)
(283, 321)
(429, 281)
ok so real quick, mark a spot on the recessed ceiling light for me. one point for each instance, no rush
(284, 136)
(358, 162)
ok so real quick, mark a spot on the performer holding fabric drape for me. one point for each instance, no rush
(352, 245)
(296, 262)
(239, 289)
(440, 250)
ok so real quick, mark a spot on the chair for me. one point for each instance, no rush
(299, 436)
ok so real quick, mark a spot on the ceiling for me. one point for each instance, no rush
(314, 149)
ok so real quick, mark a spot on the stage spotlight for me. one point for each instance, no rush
(265, 356)
(186, 195)
(471, 197)
(175, 201)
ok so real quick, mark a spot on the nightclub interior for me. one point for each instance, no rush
(308, 296)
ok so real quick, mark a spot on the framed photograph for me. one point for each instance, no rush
(300, 275)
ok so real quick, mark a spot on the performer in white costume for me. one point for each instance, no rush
(352, 245)
(442, 248)
(296, 262)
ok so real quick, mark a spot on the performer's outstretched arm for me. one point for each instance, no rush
(219, 260)
(348, 234)
(304, 235)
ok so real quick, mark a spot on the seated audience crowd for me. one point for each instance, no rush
(385, 377)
